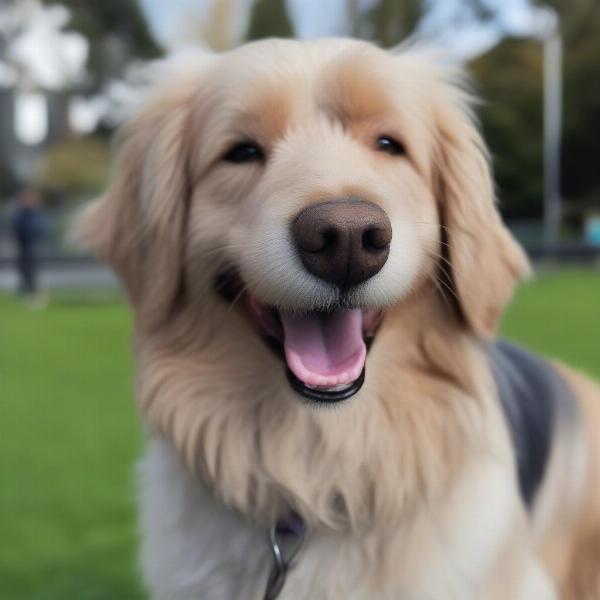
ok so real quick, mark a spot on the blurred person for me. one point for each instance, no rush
(28, 230)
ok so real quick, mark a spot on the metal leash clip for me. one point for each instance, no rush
(286, 539)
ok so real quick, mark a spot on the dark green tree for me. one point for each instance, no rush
(509, 79)
(269, 18)
(391, 21)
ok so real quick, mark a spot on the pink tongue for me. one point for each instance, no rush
(325, 350)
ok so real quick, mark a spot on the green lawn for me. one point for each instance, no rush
(68, 441)
(69, 435)
(558, 315)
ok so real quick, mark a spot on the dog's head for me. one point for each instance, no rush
(313, 186)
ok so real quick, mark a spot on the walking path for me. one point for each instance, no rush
(58, 276)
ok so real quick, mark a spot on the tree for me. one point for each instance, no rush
(116, 31)
(509, 79)
(269, 18)
(390, 21)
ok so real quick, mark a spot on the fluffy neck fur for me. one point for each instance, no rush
(221, 398)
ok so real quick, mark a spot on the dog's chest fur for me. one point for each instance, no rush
(194, 547)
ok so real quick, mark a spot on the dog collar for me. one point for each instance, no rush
(286, 538)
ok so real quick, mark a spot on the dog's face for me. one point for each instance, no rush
(313, 186)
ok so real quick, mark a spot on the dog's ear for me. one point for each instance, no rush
(137, 226)
(484, 262)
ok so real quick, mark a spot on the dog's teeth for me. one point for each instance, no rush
(340, 387)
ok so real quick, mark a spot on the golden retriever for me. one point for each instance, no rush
(308, 238)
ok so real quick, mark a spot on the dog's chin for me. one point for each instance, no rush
(324, 351)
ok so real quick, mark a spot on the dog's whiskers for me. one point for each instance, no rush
(436, 225)
(447, 287)
(441, 291)
(438, 256)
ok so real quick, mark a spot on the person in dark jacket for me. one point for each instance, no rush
(28, 229)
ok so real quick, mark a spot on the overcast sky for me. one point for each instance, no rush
(317, 18)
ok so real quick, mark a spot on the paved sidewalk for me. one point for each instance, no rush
(57, 276)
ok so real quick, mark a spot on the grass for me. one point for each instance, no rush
(558, 315)
(68, 440)
(69, 434)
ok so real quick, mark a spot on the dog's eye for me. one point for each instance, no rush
(388, 144)
(244, 152)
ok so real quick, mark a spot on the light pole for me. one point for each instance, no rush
(550, 36)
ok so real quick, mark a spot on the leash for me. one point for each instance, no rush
(286, 538)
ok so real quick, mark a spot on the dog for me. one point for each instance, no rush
(308, 237)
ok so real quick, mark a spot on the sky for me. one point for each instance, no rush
(317, 18)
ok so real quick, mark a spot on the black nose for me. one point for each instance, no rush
(343, 241)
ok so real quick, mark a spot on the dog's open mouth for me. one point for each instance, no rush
(325, 351)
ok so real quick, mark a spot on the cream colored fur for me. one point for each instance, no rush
(409, 489)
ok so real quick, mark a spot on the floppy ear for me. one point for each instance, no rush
(485, 261)
(137, 226)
